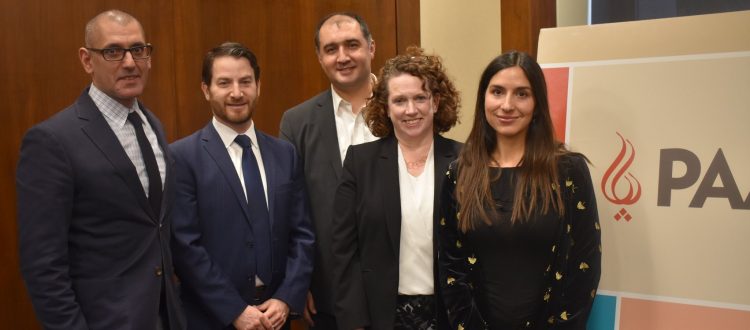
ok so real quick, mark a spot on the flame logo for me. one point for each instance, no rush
(612, 178)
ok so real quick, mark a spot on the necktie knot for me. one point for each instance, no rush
(135, 119)
(243, 140)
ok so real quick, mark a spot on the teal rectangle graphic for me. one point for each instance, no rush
(603, 313)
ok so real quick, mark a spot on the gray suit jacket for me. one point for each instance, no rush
(311, 128)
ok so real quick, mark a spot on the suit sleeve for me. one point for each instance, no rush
(45, 188)
(299, 265)
(456, 262)
(286, 131)
(581, 278)
(193, 265)
(350, 304)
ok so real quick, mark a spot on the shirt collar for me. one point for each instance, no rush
(227, 134)
(337, 99)
(112, 110)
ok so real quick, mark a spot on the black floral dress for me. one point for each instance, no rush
(552, 289)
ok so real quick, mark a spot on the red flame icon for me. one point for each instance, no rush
(612, 179)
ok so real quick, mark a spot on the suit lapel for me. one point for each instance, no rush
(325, 120)
(218, 152)
(388, 172)
(444, 155)
(100, 133)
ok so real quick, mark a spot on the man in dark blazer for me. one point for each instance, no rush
(93, 217)
(243, 238)
(321, 129)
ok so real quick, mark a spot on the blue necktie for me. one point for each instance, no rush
(256, 203)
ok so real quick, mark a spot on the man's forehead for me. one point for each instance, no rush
(109, 32)
(232, 67)
(338, 23)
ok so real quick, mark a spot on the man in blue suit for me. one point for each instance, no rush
(95, 190)
(243, 238)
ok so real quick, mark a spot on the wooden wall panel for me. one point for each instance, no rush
(42, 75)
(407, 24)
(281, 34)
(521, 21)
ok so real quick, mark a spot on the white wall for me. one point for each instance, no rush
(466, 34)
(572, 12)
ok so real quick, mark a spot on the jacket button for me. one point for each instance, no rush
(158, 271)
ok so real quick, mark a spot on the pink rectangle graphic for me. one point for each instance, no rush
(648, 314)
(557, 91)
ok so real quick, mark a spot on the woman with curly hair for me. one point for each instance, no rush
(387, 203)
(520, 246)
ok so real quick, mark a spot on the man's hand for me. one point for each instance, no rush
(276, 311)
(310, 310)
(252, 319)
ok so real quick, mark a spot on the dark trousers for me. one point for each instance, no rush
(324, 321)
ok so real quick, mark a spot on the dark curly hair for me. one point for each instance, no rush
(429, 69)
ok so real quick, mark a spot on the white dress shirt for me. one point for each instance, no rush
(227, 136)
(116, 116)
(350, 128)
(415, 260)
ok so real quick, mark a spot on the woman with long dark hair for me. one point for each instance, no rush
(520, 239)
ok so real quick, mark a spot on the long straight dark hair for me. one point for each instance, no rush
(536, 184)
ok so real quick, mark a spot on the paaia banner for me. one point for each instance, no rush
(661, 109)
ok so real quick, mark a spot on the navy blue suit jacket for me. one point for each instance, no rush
(93, 253)
(214, 244)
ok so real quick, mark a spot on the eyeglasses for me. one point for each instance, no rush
(118, 54)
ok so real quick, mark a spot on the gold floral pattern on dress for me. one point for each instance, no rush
(553, 248)
(593, 293)
(451, 280)
(442, 221)
(458, 244)
(546, 296)
(472, 260)
(568, 228)
(551, 320)
(596, 225)
(461, 326)
(583, 266)
(564, 315)
(580, 205)
(558, 276)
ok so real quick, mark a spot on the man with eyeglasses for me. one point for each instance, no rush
(94, 193)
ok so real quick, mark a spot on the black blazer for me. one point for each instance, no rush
(311, 128)
(367, 232)
(93, 254)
